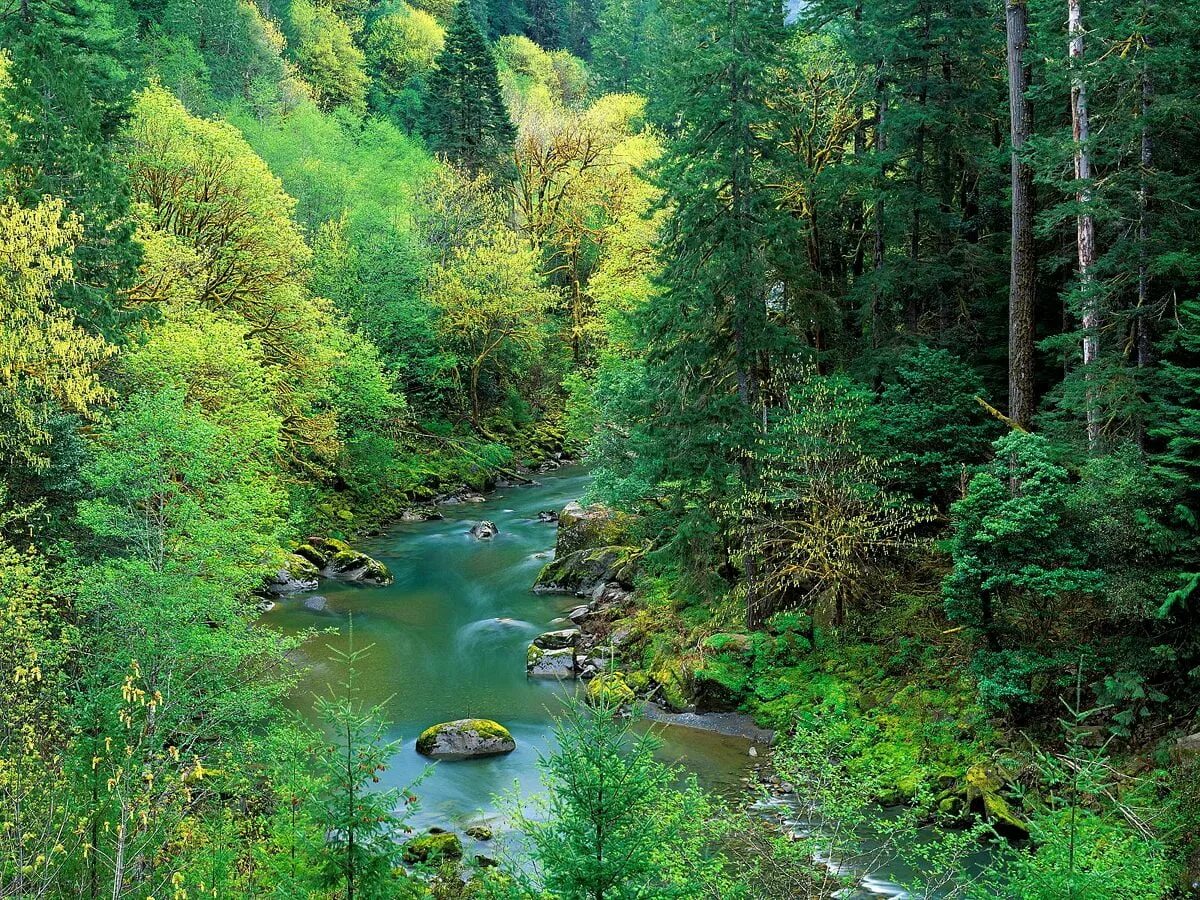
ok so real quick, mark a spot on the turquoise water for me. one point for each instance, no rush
(449, 640)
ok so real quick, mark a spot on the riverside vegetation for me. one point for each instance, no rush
(879, 332)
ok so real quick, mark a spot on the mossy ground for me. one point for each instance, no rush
(904, 687)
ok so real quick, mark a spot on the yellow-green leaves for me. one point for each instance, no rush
(47, 362)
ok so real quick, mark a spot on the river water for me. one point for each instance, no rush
(449, 640)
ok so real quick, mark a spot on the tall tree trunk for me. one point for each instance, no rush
(1023, 271)
(1085, 222)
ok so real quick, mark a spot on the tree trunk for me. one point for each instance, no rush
(1086, 223)
(1023, 272)
(880, 207)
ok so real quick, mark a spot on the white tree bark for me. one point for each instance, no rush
(1085, 223)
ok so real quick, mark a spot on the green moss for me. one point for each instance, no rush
(483, 727)
(609, 689)
(430, 848)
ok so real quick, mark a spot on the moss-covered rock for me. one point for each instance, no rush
(296, 574)
(317, 557)
(481, 832)
(724, 642)
(557, 640)
(673, 684)
(351, 565)
(584, 571)
(609, 689)
(983, 785)
(465, 739)
(542, 663)
(587, 528)
(433, 847)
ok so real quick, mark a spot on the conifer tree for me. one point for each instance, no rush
(711, 333)
(58, 146)
(466, 118)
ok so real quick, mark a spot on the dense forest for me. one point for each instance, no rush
(876, 323)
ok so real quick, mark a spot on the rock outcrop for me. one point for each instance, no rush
(465, 739)
(584, 571)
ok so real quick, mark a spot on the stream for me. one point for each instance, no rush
(448, 641)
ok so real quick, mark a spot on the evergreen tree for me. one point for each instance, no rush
(711, 333)
(615, 823)
(466, 118)
(59, 145)
(362, 824)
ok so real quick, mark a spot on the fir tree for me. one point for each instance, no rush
(467, 121)
(711, 333)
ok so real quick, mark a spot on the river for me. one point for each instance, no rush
(448, 641)
(449, 638)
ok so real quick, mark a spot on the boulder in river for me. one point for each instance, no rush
(584, 571)
(548, 515)
(351, 565)
(485, 531)
(296, 574)
(481, 832)
(465, 739)
(316, 603)
(556, 663)
(432, 847)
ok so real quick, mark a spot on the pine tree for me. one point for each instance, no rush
(362, 824)
(465, 111)
(711, 333)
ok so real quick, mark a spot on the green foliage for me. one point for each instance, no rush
(326, 55)
(465, 117)
(362, 824)
(615, 822)
(934, 430)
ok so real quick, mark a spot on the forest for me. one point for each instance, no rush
(865, 332)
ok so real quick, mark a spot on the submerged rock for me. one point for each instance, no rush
(465, 739)
(548, 515)
(431, 847)
(485, 531)
(316, 603)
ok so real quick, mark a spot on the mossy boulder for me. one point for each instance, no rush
(721, 684)
(609, 689)
(317, 557)
(481, 832)
(738, 644)
(557, 640)
(586, 528)
(295, 575)
(983, 786)
(542, 663)
(465, 739)
(583, 571)
(673, 685)
(351, 565)
(432, 847)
